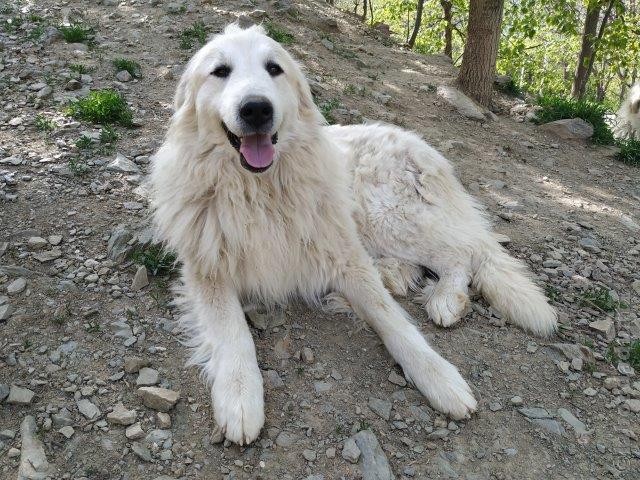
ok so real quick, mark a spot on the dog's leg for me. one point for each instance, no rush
(398, 276)
(436, 378)
(225, 351)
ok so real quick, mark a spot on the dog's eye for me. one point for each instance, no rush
(274, 69)
(222, 71)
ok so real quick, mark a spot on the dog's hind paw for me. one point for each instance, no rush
(239, 406)
(445, 307)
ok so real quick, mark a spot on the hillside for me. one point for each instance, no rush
(74, 331)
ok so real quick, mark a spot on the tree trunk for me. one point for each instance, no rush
(477, 72)
(416, 26)
(586, 51)
(448, 28)
(364, 11)
(371, 12)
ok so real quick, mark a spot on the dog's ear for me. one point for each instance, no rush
(306, 108)
(635, 107)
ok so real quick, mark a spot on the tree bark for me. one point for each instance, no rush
(364, 11)
(416, 25)
(477, 72)
(585, 57)
(448, 28)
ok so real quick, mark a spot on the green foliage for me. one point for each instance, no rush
(84, 143)
(102, 106)
(130, 66)
(510, 88)
(634, 355)
(78, 166)
(79, 68)
(195, 34)
(108, 135)
(11, 25)
(44, 124)
(76, 33)
(327, 107)
(602, 299)
(557, 108)
(629, 151)
(611, 355)
(279, 34)
(551, 292)
(156, 259)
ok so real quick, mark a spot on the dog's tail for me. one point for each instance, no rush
(506, 283)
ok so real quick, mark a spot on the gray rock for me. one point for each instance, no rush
(375, 465)
(134, 432)
(571, 351)
(134, 364)
(463, 104)
(63, 418)
(20, 396)
(158, 436)
(122, 164)
(88, 409)
(590, 244)
(45, 92)
(551, 426)
(350, 451)
(140, 279)
(118, 245)
(286, 439)
(141, 451)
(397, 379)
(33, 461)
(535, 412)
(124, 76)
(67, 431)
(380, 407)
(121, 416)
(4, 391)
(17, 286)
(632, 404)
(273, 380)
(6, 311)
(322, 387)
(578, 427)
(147, 377)
(569, 129)
(605, 327)
(160, 399)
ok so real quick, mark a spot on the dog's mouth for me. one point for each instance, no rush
(256, 150)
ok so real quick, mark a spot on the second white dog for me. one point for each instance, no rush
(262, 202)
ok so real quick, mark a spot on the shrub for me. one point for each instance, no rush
(557, 108)
(75, 33)
(279, 34)
(102, 106)
(130, 66)
(197, 33)
(157, 260)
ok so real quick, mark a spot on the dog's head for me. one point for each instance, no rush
(243, 90)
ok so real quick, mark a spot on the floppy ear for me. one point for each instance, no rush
(307, 108)
(635, 107)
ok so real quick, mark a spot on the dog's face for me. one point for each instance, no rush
(246, 91)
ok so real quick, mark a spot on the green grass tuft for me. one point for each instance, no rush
(629, 152)
(327, 107)
(84, 143)
(130, 66)
(279, 34)
(44, 124)
(78, 166)
(558, 108)
(195, 34)
(76, 33)
(103, 107)
(79, 68)
(634, 355)
(601, 298)
(156, 259)
(108, 135)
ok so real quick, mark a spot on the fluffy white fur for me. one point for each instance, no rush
(627, 121)
(339, 208)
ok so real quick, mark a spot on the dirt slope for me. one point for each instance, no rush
(571, 212)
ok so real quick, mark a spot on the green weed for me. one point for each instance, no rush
(78, 166)
(44, 124)
(130, 66)
(602, 299)
(279, 34)
(196, 34)
(79, 68)
(634, 355)
(629, 151)
(76, 33)
(156, 259)
(103, 107)
(327, 107)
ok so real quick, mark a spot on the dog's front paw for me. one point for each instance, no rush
(238, 405)
(444, 387)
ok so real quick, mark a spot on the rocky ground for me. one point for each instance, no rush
(92, 376)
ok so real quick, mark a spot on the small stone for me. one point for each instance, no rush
(535, 412)
(578, 427)
(551, 426)
(569, 128)
(330, 452)
(134, 364)
(322, 387)
(147, 377)
(626, 369)
(163, 420)
(140, 279)
(612, 382)
(495, 406)
(605, 327)
(380, 407)
(160, 399)
(632, 404)
(121, 416)
(134, 432)
(6, 311)
(88, 409)
(17, 286)
(141, 451)
(124, 76)
(516, 400)
(20, 396)
(350, 451)
(55, 239)
(590, 392)
(67, 431)
(122, 164)
(33, 460)
(397, 379)
(36, 243)
(309, 455)
(4, 391)
(273, 380)
(285, 439)
(13, 453)
(307, 355)
(374, 462)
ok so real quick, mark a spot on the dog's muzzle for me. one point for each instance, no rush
(256, 150)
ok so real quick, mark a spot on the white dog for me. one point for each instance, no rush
(262, 202)
(627, 121)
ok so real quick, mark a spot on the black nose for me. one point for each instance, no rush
(257, 113)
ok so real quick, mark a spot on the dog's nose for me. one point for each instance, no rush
(257, 113)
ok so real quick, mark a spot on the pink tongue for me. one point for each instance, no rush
(257, 150)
